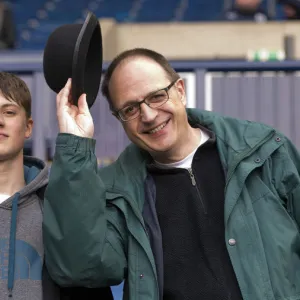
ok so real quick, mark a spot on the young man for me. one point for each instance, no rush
(22, 183)
(21, 179)
(199, 206)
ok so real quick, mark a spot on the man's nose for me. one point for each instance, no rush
(148, 114)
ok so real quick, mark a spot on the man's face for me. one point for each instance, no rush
(156, 130)
(14, 128)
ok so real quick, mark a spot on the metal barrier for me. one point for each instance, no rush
(265, 92)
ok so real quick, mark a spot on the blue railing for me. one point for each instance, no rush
(32, 61)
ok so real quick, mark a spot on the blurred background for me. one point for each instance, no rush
(238, 57)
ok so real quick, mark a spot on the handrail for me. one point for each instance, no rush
(33, 62)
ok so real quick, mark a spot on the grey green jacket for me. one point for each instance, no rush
(95, 220)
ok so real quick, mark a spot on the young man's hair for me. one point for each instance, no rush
(137, 52)
(15, 89)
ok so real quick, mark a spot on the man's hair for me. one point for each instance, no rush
(137, 52)
(15, 89)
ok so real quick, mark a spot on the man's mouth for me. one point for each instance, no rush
(158, 128)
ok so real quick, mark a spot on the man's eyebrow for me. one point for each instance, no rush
(129, 103)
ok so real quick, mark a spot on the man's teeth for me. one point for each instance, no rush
(160, 127)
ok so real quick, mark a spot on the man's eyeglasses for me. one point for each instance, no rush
(154, 100)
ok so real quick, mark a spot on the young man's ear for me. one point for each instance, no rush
(29, 125)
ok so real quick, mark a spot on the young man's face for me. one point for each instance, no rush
(15, 128)
(157, 130)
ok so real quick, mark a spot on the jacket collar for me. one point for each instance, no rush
(239, 135)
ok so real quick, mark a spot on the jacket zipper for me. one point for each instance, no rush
(194, 183)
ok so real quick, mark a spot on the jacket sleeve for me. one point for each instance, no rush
(83, 240)
(286, 176)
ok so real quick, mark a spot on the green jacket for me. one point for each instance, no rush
(94, 231)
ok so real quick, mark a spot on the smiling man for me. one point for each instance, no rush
(199, 206)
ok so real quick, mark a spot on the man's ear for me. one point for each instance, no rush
(180, 87)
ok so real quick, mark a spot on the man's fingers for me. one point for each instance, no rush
(63, 96)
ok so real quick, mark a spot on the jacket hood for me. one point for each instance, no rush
(36, 177)
(239, 135)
